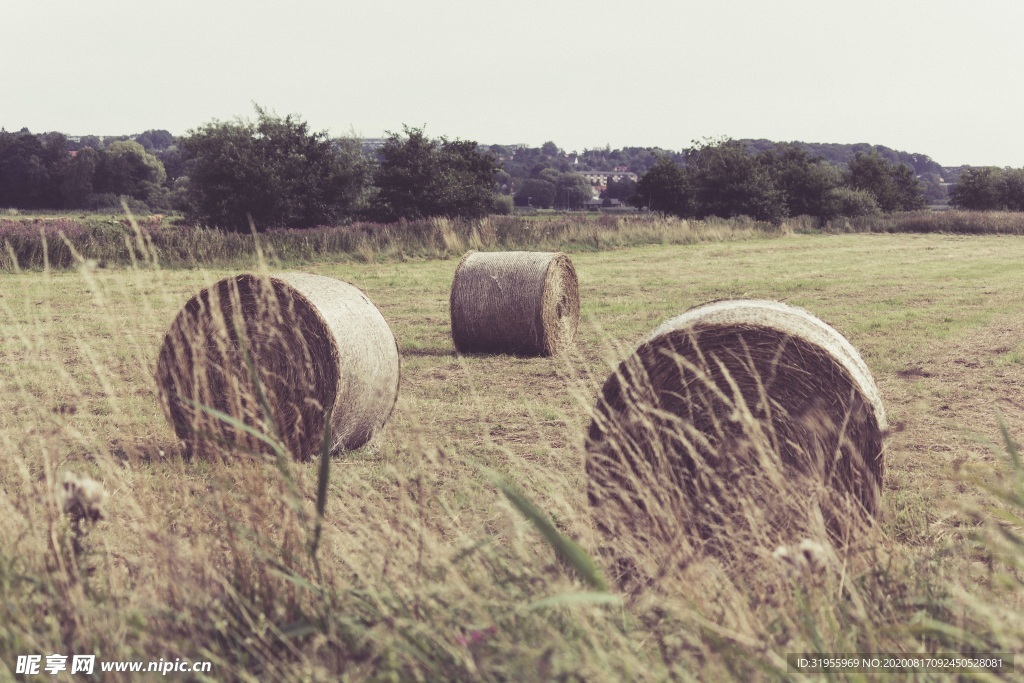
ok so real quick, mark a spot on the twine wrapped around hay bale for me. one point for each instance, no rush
(730, 414)
(519, 302)
(318, 346)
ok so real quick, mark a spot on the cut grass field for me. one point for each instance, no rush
(424, 571)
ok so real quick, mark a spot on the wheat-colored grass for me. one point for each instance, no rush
(417, 567)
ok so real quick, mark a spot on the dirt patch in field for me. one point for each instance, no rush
(945, 411)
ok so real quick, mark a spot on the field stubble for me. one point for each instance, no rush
(423, 571)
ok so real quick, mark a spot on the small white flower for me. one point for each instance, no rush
(83, 498)
(807, 557)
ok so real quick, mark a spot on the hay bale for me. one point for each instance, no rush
(519, 302)
(317, 344)
(730, 414)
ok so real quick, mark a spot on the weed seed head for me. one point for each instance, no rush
(83, 498)
(808, 558)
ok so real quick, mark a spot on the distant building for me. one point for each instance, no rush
(602, 178)
(599, 204)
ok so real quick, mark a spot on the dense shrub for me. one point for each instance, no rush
(724, 178)
(989, 189)
(894, 186)
(42, 172)
(846, 201)
(503, 205)
(273, 172)
(418, 177)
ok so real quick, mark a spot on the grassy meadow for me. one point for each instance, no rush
(423, 569)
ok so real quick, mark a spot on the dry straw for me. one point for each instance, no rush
(519, 302)
(737, 415)
(316, 344)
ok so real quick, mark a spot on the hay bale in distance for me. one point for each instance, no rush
(317, 344)
(718, 401)
(520, 302)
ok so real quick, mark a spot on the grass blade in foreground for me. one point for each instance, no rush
(566, 548)
(323, 478)
(270, 440)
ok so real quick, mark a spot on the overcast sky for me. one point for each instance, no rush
(936, 77)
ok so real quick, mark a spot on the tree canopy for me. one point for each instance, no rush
(42, 172)
(726, 181)
(280, 173)
(572, 190)
(988, 188)
(664, 188)
(722, 178)
(420, 177)
(535, 192)
(272, 171)
(893, 185)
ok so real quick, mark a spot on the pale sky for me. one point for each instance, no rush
(937, 77)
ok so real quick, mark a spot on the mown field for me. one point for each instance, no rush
(424, 570)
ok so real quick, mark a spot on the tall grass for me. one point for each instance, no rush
(413, 568)
(957, 222)
(30, 243)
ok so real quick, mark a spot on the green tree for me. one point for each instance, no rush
(273, 170)
(155, 139)
(664, 188)
(126, 168)
(1011, 189)
(26, 165)
(503, 205)
(622, 189)
(572, 190)
(987, 188)
(933, 189)
(174, 161)
(846, 201)
(893, 185)
(76, 186)
(977, 189)
(805, 181)
(535, 192)
(418, 177)
(726, 181)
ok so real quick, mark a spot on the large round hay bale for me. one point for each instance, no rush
(731, 412)
(519, 302)
(318, 346)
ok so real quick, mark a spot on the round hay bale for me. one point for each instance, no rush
(520, 302)
(317, 345)
(732, 413)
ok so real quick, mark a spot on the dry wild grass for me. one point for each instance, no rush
(401, 561)
(59, 242)
(952, 221)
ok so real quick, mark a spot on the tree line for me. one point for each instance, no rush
(275, 172)
(988, 188)
(723, 178)
(269, 172)
(43, 172)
